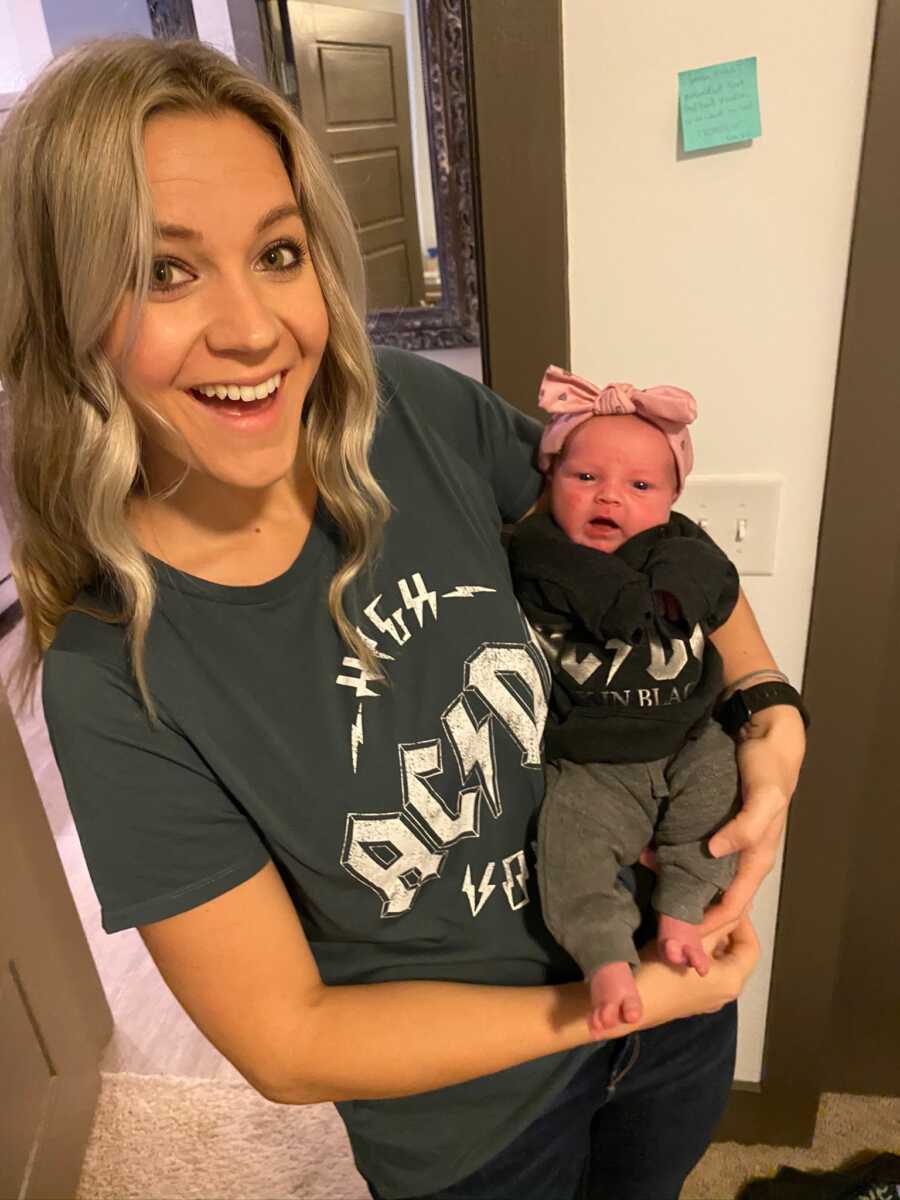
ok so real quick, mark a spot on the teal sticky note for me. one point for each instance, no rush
(719, 104)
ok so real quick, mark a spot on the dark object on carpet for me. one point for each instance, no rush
(873, 1179)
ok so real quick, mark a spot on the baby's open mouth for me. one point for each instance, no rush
(605, 522)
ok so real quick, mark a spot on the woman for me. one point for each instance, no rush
(295, 707)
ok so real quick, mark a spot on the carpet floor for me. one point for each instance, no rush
(167, 1138)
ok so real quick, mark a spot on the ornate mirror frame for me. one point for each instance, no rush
(447, 78)
(447, 75)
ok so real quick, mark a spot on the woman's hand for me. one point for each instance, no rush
(670, 993)
(769, 755)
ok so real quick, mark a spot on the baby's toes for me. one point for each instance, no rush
(674, 952)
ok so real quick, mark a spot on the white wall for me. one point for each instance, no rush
(214, 25)
(24, 43)
(69, 23)
(421, 153)
(723, 272)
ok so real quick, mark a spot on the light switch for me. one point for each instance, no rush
(740, 513)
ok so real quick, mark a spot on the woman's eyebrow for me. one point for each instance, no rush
(272, 217)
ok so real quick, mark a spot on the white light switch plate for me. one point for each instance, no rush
(740, 514)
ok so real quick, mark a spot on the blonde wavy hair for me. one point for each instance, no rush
(76, 234)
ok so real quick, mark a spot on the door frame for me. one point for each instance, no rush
(521, 339)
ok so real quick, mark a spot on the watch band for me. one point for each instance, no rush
(740, 706)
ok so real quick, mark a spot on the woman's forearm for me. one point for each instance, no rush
(384, 1040)
(741, 644)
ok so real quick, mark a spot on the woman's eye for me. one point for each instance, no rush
(164, 275)
(283, 256)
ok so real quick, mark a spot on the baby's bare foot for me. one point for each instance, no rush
(679, 943)
(614, 998)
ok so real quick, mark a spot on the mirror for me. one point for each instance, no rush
(384, 87)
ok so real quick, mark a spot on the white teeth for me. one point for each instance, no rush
(234, 391)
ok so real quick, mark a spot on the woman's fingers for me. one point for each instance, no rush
(718, 936)
(753, 866)
(743, 947)
(763, 811)
(732, 961)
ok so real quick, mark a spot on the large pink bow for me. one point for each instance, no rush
(563, 392)
(571, 400)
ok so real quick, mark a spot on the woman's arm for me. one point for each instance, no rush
(770, 753)
(242, 968)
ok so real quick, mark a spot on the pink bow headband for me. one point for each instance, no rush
(571, 401)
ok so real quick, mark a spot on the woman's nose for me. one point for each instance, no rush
(242, 322)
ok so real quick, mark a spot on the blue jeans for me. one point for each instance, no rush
(630, 1125)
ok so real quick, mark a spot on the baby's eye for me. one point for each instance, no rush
(164, 275)
(642, 485)
(585, 477)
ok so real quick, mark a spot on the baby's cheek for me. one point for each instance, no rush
(564, 504)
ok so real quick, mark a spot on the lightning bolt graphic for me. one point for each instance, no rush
(373, 645)
(356, 736)
(360, 683)
(418, 601)
(622, 650)
(465, 591)
(484, 888)
(514, 879)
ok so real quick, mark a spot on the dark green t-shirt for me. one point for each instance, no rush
(401, 816)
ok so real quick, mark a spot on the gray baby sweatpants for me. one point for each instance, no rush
(597, 817)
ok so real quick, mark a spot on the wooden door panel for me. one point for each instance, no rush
(371, 183)
(357, 82)
(351, 72)
(387, 276)
(54, 1019)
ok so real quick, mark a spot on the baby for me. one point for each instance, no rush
(623, 593)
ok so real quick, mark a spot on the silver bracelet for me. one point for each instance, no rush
(769, 673)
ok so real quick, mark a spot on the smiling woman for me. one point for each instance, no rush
(332, 869)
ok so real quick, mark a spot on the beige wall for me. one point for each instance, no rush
(723, 272)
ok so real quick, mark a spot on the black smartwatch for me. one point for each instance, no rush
(742, 704)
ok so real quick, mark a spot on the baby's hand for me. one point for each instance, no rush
(667, 606)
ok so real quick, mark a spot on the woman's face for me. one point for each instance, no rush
(234, 304)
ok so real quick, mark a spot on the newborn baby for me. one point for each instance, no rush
(623, 593)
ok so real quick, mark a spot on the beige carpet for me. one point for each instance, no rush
(166, 1138)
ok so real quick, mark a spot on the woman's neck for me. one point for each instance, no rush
(233, 536)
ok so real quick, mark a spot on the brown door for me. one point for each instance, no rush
(54, 1019)
(354, 96)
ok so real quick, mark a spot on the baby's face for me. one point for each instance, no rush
(614, 477)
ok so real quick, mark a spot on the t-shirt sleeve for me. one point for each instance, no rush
(498, 441)
(160, 835)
